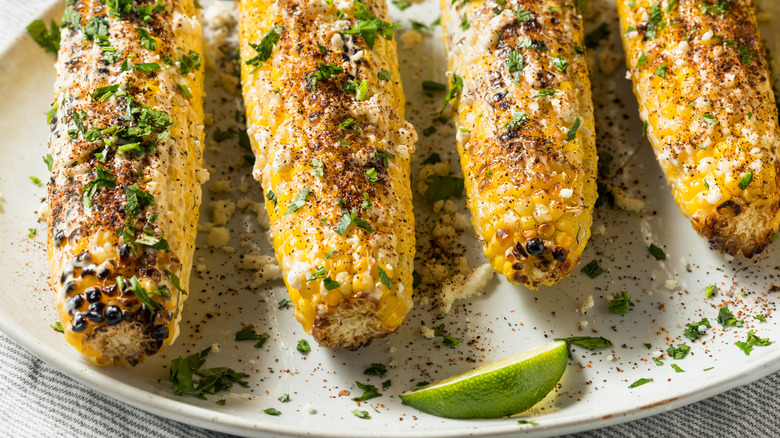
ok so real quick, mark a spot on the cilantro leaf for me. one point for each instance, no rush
(104, 179)
(443, 186)
(368, 26)
(298, 202)
(266, 45)
(376, 369)
(48, 39)
(620, 303)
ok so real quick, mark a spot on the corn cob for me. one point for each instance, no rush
(325, 113)
(521, 94)
(125, 150)
(702, 82)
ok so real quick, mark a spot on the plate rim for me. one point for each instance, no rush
(173, 409)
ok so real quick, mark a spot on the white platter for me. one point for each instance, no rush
(506, 319)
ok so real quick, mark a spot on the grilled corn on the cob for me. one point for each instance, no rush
(325, 113)
(525, 132)
(125, 149)
(702, 82)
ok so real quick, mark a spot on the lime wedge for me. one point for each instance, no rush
(508, 386)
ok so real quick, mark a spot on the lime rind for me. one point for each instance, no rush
(498, 389)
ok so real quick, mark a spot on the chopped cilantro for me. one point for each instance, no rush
(284, 303)
(147, 67)
(661, 70)
(271, 196)
(658, 362)
(361, 414)
(547, 92)
(710, 119)
(368, 26)
(330, 284)
(455, 89)
(464, 22)
(678, 353)
(752, 341)
(745, 55)
(185, 91)
(433, 86)
(588, 342)
(573, 130)
(383, 75)
(104, 179)
(432, 158)
(369, 392)
(318, 166)
(655, 23)
(57, 327)
(347, 219)
(146, 40)
(726, 318)
(518, 118)
(266, 46)
(515, 62)
(760, 317)
(522, 15)
(620, 303)
(272, 411)
(189, 62)
(385, 279)
(371, 175)
(657, 252)
(640, 382)
(323, 72)
(560, 63)
(593, 269)
(211, 380)
(416, 25)
(710, 290)
(443, 186)
(349, 124)
(49, 39)
(677, 368)
(642, 59)
(450, 341)
(303, 346)
(284, 398)
(376, 369)
(300, 201)
(746, 180)
(692, 330)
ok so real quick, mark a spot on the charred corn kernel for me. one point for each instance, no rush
(125, 187)
(524, 72)
(718, 149)
(319, 84)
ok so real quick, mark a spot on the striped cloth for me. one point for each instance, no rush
(37, 401)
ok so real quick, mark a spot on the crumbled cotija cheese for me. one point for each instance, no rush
(222, 211)
(461, 288)
(218, 237)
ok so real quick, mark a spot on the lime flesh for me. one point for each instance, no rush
(498, 389)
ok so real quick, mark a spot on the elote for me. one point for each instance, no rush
(702, 81)
(522, 105)
(325, 115)
(125, 154)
